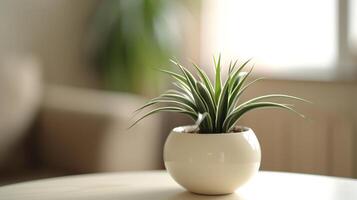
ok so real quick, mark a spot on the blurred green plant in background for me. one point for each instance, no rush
(131, 38)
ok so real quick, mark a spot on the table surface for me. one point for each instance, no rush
(158, 185)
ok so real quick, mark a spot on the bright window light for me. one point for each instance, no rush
(353, 25)
(284, 37)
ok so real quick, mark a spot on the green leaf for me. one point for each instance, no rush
(213, 105)
(233, 67)
(205, 95)
(184, 89)
(177, 103)
(242, 77)
(218, 83)
(236, 73)
(204, 123)
(209, 128)
(274, 96)
(222, 107)
(241, 110)
(230, 68)
(174, 75)
(165, 109)
(200, 118)
(149, 103)
(160, 99)
(181, 98)
(234, 98)
(201, 106)
(205, 79)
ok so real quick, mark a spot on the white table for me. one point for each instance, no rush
(158, 185)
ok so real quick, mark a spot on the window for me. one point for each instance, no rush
(353, 26)
(290, 39)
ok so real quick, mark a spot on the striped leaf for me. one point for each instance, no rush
(218, 83)
(240, 111)
(235, 97)
(201, 105)
(204, 78)
(166, 109)
(204, 93)
(214, 107)
(222, 107)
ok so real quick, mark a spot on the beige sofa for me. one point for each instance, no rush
(85, 130)
(52, 130)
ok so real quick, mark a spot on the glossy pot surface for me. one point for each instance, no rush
(212, 164)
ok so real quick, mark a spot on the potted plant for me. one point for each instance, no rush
(214, 156)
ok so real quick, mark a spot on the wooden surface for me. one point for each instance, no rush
(158, 185)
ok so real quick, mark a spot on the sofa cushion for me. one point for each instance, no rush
(20, 89)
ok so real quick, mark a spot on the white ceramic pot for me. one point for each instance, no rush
(212, 164)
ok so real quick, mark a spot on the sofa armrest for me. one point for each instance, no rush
(83, 130)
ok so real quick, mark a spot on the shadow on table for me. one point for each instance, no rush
(175, 194)
(191, 196)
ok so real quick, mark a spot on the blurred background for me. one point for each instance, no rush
(73, 72)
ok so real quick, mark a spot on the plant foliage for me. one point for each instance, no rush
(215, 107)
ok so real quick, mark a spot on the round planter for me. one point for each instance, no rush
(212, 164)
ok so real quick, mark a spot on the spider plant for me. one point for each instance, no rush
(215, 107)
